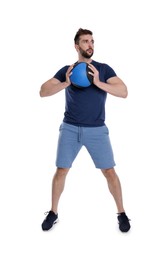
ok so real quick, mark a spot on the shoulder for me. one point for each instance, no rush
(100, 64)
(64, 69)
(104, 69)
(60, 74)
(96, 63)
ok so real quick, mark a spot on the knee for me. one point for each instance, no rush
(61, 172)
(109, 174)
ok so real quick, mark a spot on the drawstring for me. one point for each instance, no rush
(79, 133)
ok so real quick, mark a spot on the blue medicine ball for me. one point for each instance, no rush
(80, 76)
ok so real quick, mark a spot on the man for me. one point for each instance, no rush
(84, 124)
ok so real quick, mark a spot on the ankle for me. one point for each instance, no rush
(54, 211)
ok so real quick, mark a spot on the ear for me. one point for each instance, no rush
(77, 47)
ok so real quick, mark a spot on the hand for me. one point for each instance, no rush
(68, 74)
(94, 73)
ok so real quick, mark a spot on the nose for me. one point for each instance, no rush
(91, 45)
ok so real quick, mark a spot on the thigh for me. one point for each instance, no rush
(98, 144)
(68, 146)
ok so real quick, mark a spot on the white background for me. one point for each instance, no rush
(36, 41)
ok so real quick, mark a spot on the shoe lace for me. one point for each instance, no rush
(48, 215)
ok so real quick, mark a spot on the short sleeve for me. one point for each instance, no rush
(60, 74)
(109, 72)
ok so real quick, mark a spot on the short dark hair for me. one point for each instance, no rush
(81, 32)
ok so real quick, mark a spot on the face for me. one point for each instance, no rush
(85, 47)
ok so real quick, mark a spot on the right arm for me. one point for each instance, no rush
(53, 86)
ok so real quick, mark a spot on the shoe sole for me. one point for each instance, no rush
(55, 222)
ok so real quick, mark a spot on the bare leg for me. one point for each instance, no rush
(114, 187)
(58, 187)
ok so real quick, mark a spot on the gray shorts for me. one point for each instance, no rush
(95, 139)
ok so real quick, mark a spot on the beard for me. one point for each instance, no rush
(85, 54)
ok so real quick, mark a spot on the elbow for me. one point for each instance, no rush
(42, 92)
(125, 93)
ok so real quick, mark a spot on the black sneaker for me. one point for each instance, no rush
(123, 222)
(50, 220)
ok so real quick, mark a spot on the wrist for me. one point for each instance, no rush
(66, 84)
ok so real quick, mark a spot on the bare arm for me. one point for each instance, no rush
(53, 85)
(114, 86)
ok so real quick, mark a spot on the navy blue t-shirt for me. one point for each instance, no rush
(86, 106)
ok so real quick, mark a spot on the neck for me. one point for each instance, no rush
(84, 60)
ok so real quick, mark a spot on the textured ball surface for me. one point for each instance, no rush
(80, 76)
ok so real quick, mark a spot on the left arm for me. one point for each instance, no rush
(114, 86)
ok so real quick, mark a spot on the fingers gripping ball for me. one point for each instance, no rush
(80, 76)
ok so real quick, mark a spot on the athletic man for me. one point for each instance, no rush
(84, 125)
